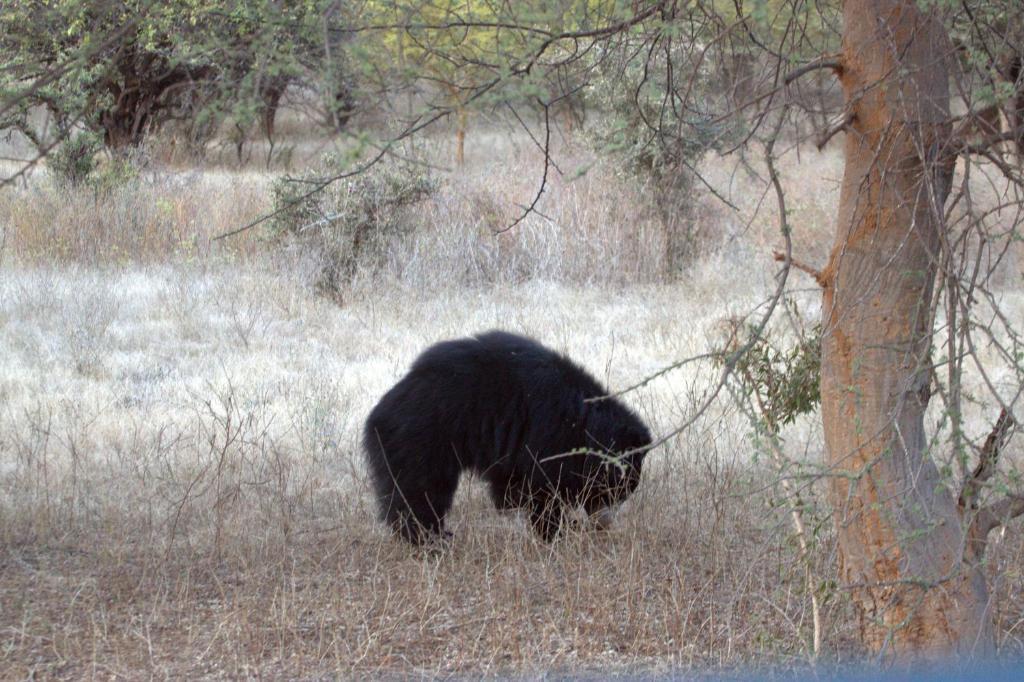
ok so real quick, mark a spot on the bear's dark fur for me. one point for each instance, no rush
(512, 411)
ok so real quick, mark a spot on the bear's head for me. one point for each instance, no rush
(618, 443)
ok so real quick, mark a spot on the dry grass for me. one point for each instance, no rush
(181, 489)
(183, 493)
(593, 225)
(163, 215)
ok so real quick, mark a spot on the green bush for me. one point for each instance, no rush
(118, 172)
(76, 163)
(346, 222)
(74, 160)
(779, 377)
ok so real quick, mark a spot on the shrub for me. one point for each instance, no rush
(73, 161)
(76, 164)
(778, 376)
(119, 171)
(345, 222)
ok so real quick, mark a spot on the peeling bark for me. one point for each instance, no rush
(901, 539)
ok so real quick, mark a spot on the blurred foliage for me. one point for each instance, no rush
(672, 79)
(480, 55)
(78, 163)
(651, 123)
(989, 35)
(123, 68)
(463, 47)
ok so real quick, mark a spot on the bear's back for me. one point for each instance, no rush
(500, 356)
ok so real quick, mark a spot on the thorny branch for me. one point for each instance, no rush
(527, 210)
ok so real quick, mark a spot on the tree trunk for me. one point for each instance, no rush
(901, 540)
(460, 136)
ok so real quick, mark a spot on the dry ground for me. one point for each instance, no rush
(181, 490)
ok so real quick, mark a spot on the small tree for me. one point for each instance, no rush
(659, 124)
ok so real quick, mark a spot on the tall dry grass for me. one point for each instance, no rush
(183, 494)
(161, 216)
(593, 224)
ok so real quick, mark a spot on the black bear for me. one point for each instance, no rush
(517, 414)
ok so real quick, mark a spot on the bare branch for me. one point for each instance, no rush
(988, 459)
(661, 372)
(527, 210)
(803, 267)
(834, 129)
(824, 62)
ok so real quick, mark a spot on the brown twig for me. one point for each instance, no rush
(823, 62)
(834, 129)
(532, 208)
(803, 267)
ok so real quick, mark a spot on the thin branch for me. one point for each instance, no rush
(533, 138)
(834, 129)
(590, 33)
(318, 187)
(527, 210)
(803, 267)
(825, 62)
(660, 373)
(793, 498)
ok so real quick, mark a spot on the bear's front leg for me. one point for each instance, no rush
(546, 516)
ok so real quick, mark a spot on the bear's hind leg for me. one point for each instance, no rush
(418, 509)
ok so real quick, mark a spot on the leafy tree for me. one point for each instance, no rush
(124, 68)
